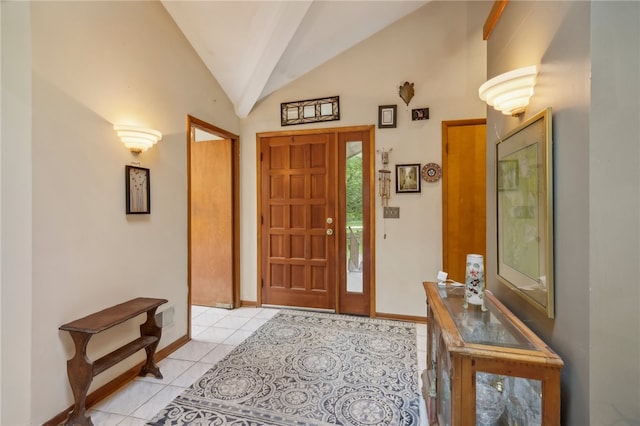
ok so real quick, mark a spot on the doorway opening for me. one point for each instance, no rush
(464, 194)
(213, 216)
(315, 210)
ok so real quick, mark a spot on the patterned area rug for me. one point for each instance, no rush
(308, 368)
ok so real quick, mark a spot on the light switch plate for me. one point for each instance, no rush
(391, 213)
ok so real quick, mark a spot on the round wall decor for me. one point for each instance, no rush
(431, 172)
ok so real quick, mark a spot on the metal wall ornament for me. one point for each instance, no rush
(406, 92)
(310, 111)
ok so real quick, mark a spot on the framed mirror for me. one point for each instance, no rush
(524, 195)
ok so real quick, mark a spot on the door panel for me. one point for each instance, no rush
(463, 194)
(298, 196)
(214, 234)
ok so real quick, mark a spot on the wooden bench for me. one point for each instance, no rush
(81, 370)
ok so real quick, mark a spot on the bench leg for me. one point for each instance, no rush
(80, 372)
(150, 328)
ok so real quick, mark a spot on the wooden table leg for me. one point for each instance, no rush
(80, 372)
(150, 328)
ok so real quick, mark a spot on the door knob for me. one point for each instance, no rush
(329, 231)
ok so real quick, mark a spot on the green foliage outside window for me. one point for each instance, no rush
(354, 190)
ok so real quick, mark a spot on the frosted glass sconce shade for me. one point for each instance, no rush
(510, 92)
(137, 139)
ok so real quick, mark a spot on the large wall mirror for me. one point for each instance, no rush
(524, 194)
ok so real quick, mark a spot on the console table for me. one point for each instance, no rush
(486, 367)
(81, 370)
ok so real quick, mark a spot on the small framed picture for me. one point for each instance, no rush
(420, 114)
(387, 116)
(137, 189)
(407, 178)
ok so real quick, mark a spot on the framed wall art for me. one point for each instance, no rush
(407, 178)
(524, 195)
(310, 111)
(137, 190)
(419, 114)
(387, 116)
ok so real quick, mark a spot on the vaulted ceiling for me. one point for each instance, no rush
(254, 48)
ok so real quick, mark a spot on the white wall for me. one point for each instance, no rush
(440, 49)
(16, 229)
(94, 64)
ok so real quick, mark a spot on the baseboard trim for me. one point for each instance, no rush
(248, 304)
(115, 384)
(409, 318)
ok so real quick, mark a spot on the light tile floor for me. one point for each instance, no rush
(215, 332)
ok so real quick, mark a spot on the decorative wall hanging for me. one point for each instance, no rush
(387, 116)
(310, 111)
(524, 195)
(420, 114)
(431, 172)
(406, 92)
(384, 177)
(137, 190)
(407, 178)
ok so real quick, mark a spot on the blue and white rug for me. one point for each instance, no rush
(308, 368)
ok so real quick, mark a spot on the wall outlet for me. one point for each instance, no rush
(391, 213)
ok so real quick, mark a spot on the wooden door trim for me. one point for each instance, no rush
(193, 122)
(371, 195)
(336, 130)
(445, 176)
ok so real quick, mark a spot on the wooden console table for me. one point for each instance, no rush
(81, 370)
(486, 367)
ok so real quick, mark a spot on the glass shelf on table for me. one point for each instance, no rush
(485, 328)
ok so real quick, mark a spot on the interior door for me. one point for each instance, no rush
(298, 220)
(213, 216)
(464, 194)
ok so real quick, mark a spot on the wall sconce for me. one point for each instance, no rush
(510, 92)
(137, 139)
(384, 178)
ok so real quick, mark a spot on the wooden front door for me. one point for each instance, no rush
(464, 194)
(298, 204)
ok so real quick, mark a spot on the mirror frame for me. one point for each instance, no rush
(524, 214)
